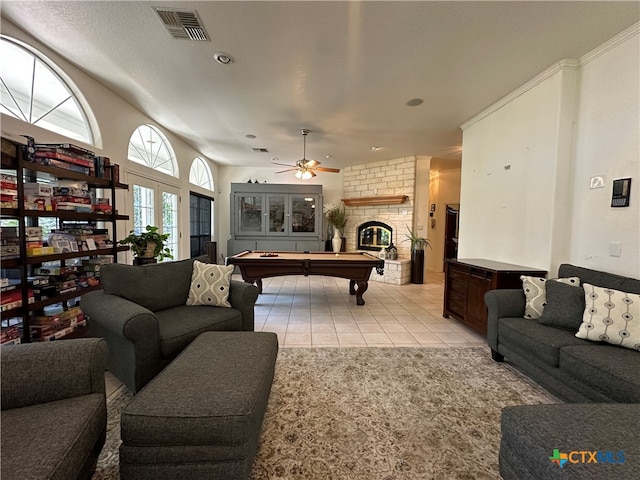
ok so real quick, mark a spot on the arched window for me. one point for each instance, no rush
(33, 91)
(200, 174)
(149, 147)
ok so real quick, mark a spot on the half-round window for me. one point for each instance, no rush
(200, 174)
(149, 147)
(32, 91)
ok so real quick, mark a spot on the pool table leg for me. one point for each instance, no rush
(258, 284)
(362, 287)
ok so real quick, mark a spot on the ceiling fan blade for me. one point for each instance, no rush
(310, 163)
(284, 164)
(287, 170)
(327, 169)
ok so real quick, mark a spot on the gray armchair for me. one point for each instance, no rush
(54, 415)
(142, 314)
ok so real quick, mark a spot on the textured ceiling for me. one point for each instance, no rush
(345, 70)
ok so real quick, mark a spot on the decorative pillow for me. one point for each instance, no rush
(534, 292)
(210, 285)
(565, 306)
(611, 316)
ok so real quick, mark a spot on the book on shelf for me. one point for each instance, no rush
(39, 189)
(85, 162)
(66, 146)
(52, 162)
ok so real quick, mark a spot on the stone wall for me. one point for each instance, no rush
(389, 177)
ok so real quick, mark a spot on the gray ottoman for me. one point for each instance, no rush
(531, 433)
(201, 416)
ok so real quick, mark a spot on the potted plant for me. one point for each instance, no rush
(148, 246)
(337, 218)
(417, 255)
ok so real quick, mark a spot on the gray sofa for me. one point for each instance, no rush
(142, 313)
(54, 415)
(600, 381)
(573, 369)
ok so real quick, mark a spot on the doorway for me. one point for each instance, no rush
(451, 225)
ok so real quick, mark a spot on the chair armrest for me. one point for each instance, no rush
(243, 296)
(121, 317)
(501, 304)
(34, 373)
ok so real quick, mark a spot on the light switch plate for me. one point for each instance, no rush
(615, 248)
(597, 181)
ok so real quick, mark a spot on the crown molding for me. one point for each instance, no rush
(610, 44)
(567, 64)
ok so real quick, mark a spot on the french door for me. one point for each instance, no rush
(156, 203)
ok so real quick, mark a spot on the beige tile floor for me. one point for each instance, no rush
(319, 312)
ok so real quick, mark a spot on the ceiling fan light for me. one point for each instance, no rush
(304, 174)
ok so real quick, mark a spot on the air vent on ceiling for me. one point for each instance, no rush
(182, 24)
(261, 150)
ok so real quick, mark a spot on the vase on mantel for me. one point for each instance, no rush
(336, 241)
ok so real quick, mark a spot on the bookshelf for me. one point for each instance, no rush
(51, 257)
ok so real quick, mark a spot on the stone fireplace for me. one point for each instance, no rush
(381, 192)
(381, 195)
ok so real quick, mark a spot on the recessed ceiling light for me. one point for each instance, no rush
(375, 149)
(414, 102)
(327, 156)
(249, 135)
(223, 58)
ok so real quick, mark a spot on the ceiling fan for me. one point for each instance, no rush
(306, 169)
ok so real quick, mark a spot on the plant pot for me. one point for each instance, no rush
(336, 241)
(417, 266)
(149, 250)
(144, 260)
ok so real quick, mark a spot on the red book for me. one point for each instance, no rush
(85, 162)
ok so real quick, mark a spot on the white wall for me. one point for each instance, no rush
(607, 143)
(527, 160)
(508, 179)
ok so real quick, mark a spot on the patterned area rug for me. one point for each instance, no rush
(377, 414)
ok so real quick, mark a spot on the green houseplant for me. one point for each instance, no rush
(417, 242)
(337, 218)
(417, 255)
(148, 246)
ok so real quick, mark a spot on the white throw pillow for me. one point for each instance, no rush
(210, 285)
(535, 293)
(611, 316)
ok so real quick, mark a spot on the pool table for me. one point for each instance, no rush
(356, 267)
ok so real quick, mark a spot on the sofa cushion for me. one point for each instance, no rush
(601, 279)
(537, 342)
(210, 285)
(179, 326)
(565, 306)
(535, 293)
(609, 369)
(51, 440)
(611, 316)
(156, 286)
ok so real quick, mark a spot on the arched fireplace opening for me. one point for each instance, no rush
(374, 236)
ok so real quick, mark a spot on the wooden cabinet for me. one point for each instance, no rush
(467, 280)
(23, 264)
(277, 217)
